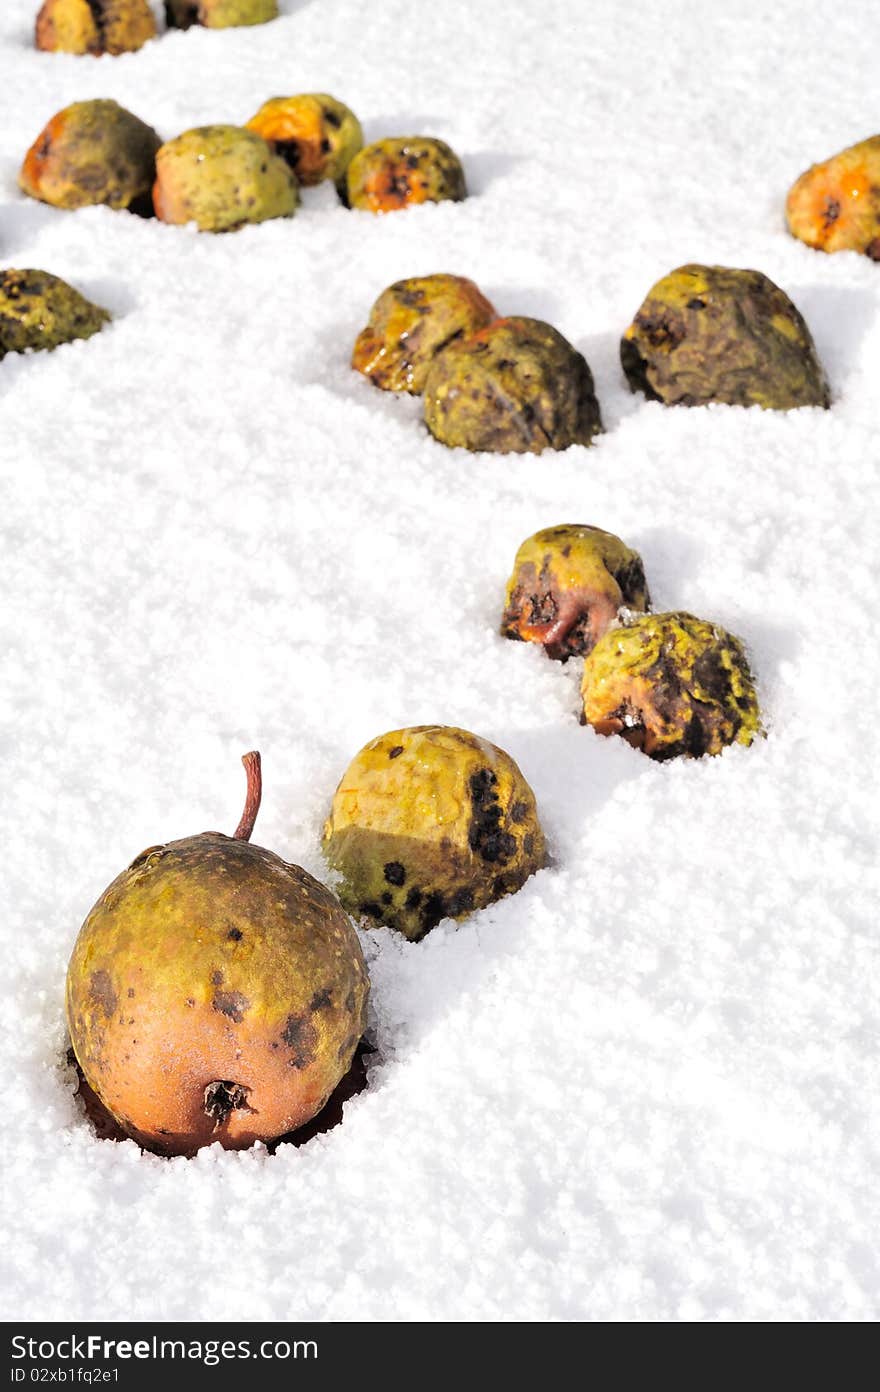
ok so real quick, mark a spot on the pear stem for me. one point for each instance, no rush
(254, 795)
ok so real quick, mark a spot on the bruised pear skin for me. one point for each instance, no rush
(92, 152)
(567, 587)
(39, 310)
(215, 993)
(218, 14)
(94, 26)
(709, 333)
(411, 322)
(835, 205)
(403, 170)
(221, 177)
(431, 822)
(514, 387)
(671, 685)
(317, 135)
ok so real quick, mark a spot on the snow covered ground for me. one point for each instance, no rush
(645, 1087)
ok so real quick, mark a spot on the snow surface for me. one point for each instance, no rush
(645, 1087)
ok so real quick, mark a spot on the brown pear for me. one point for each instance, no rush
(215, 992)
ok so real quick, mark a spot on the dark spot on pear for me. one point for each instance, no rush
(102, 993)
(460, 902)
(301, 1038)
(485, 835)
(432, 911)
(713, 676)
(231, 1003)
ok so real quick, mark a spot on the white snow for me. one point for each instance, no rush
(645, 1087)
